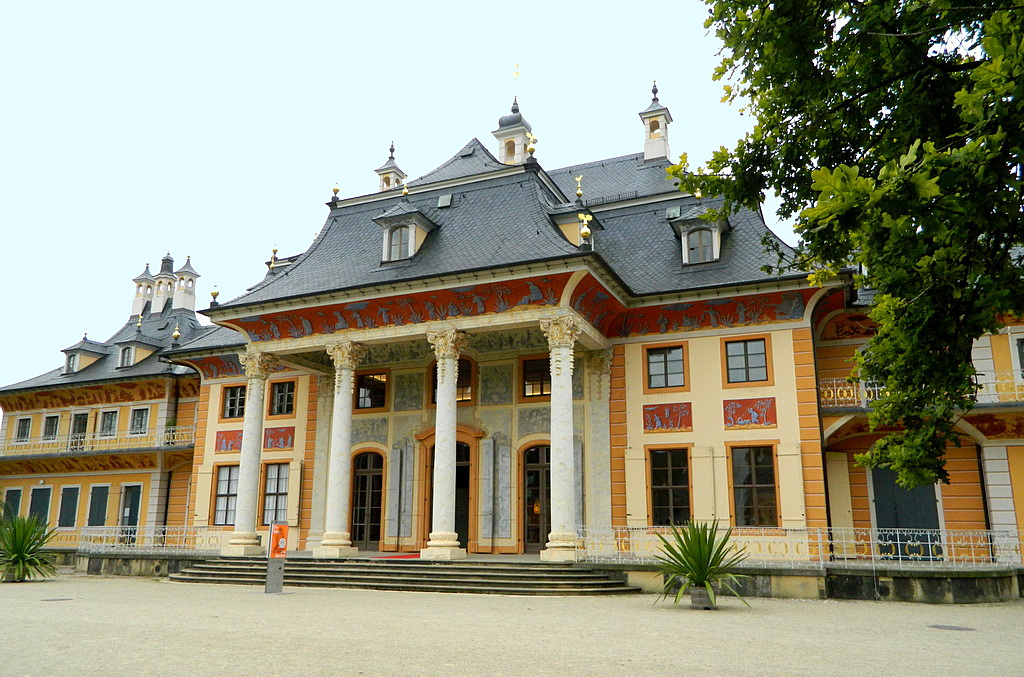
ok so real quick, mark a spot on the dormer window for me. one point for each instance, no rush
(398, 243)
(71, 364)
(127, 357)
(699, 245)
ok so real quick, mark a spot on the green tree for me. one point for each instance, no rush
(892, 131)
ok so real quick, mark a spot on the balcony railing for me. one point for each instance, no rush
(150, 540)
(993, 388)
(171, 436)
(893, 548)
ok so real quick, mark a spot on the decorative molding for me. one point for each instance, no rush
(562, 332)
(257, 364)
(345, 354)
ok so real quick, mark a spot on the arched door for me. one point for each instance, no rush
(367, 500)
(536, 497)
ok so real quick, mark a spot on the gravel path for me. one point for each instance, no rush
(125, 626)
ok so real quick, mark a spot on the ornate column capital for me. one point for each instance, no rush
(561, 331)
(345, 354)
(257, 364)
(447, 343)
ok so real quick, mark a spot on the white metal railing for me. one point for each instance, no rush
(150, 540)
(892, 548)
(170, 436)
(993, 387)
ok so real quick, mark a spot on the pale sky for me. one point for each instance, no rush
(217, 129)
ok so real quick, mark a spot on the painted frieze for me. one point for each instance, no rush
(279, 438)
(78, 464)
(108, 393)
(228, 441)
(675, 417)
(758, 412)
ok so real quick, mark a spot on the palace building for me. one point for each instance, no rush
(489, 359)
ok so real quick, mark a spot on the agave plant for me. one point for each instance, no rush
(22, 540)
(700, 556)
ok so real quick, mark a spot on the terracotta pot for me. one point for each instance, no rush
(699, 598)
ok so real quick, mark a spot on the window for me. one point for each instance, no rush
(68, 507)
(398, 243)
(234, 402)
(670, 487)
(699, 247)
(463, 383)
(665, 367)
(275, 493)
(24, 430)
(98, 507)
(71, 364)
(282, 398)
(127, 355)
(227, 494)
(108, 424)
(39, 504)
(746, 361)
(12, 501)
(1020, 356)
(371, 390)
(536, 377)
(753, 485)
(139, 424)
(50, 424)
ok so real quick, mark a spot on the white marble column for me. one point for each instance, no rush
(244, 541)
(337, 542)
(561, 546)
(324, 408)
(444, 542)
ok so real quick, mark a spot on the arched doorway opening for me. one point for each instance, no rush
(367, 500)
(463, 471)
(536, 494)
(466, 480)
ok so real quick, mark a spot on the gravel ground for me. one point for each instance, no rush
(126, 626)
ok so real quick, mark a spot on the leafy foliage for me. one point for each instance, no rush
(893, 131)
(699, 555)
(22, 540)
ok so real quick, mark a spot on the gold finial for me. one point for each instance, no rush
(215, 293)
(177, 332)
(405, 189)
(335, 190)
(531, 147)
(579, 186)
(585, 220)
(697, 193)
(515, 73)
(273, 258)
(138, 324)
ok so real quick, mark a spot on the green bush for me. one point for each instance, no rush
(22, 540)
(698, 555)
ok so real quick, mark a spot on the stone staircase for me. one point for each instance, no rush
(493, 578)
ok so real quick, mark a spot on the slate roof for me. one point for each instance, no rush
(156, 330)
(212, 338)
(473, 159)
(626, 176)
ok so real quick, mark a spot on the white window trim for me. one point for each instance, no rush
(131, 420)
(99, 423)
(125, 357)
(56, 433)
(1016, 334)
(17, 426)
(410, 243)
(71, 363)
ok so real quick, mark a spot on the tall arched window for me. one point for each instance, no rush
(699, 246)
(398, 243)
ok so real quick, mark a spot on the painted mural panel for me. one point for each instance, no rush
(848, 326)
(228, 441)
(218, 366)
(675, 417)
(1008, 426)
(758, 412)
(109, 393)
(409, 391)
(78, 464)
(279, 438)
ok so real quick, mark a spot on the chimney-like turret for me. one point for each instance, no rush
(165, 282)
(656, 119)
(185, 289)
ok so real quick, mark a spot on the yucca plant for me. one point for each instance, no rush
(699, 556)
(22, 540)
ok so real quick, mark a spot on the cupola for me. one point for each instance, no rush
(656, 119)
(165, 282)
(185, 287)
(391, 176)
(513, 135)
(144, 284)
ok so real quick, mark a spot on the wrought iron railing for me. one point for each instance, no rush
(150, 540)
(993, 387)
(169, 436)
(892, 548)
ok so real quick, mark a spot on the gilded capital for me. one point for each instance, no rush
(447, 343)
(257, 364)
(345, 354)
(561, 331)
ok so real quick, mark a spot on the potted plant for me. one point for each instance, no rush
(699, 558)
(22, 540)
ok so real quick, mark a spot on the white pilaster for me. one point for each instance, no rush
(337, 541)
(444, 541)
(998, 488)
(244, 542)
(561, 332)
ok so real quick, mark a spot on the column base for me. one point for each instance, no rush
(561, 547)
(243, 544)
(442, 553)
(334, 551)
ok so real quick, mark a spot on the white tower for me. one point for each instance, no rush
(165, 281)
(512, 136)
(185, 289)
(391, 176)
(656, 119)
(144, 284)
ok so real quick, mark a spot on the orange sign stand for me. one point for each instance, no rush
(278, 540)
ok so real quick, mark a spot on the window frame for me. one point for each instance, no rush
(61, 507)
(389, 242)
(49, 500)
(26, 436)
(649, 451)
(432, 383)
(645, 357)
(101, 429)
(71, 363)
(238, 402)
(126, 357)
(731, 448)
(702, 248)
(521, 395)
(272, 400)
(278, 494)
(106, 505)
(386, 373)
(769, 362)
(230, 507)
(7, 500)
(47, 435)
(131, 421)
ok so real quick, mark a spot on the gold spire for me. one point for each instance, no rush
(215, 293)
(273, 258)
(585, 220)
(579, 186)
(531, 147)
(405, 189)
(177, 332)
(335, 190)
(138, 325)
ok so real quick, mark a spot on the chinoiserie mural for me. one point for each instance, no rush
(758, 412)
(676, 417)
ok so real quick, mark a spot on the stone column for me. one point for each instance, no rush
(244, 541)
(337, 542)
(561, 546)
(324, 407)
(444, 542)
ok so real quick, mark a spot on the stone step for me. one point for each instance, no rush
(429, 572)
